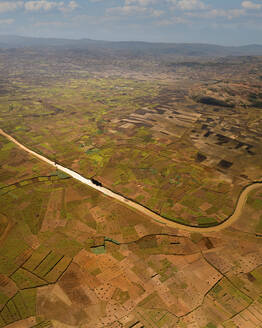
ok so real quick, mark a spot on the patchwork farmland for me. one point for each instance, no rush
(182, 140)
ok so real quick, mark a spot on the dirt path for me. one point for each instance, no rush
(154, 216)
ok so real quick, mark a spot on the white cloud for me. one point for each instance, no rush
(126, 10)
(7, 21)
(37, 5)
(214, 13)
(191, 4)
(6, 6)
(44, 5)
(142, 3)
(188, 4)
(172, 21)
(129, 10)
(72, 5)
(251, 5)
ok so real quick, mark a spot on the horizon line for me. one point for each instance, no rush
(131, 41)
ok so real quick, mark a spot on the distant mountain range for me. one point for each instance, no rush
(132, 47)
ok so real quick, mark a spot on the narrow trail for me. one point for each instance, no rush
(140, 208)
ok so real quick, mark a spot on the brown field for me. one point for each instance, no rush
(182, 141)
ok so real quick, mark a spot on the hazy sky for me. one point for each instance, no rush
(212, 21)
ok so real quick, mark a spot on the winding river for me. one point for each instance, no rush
(140, 208)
